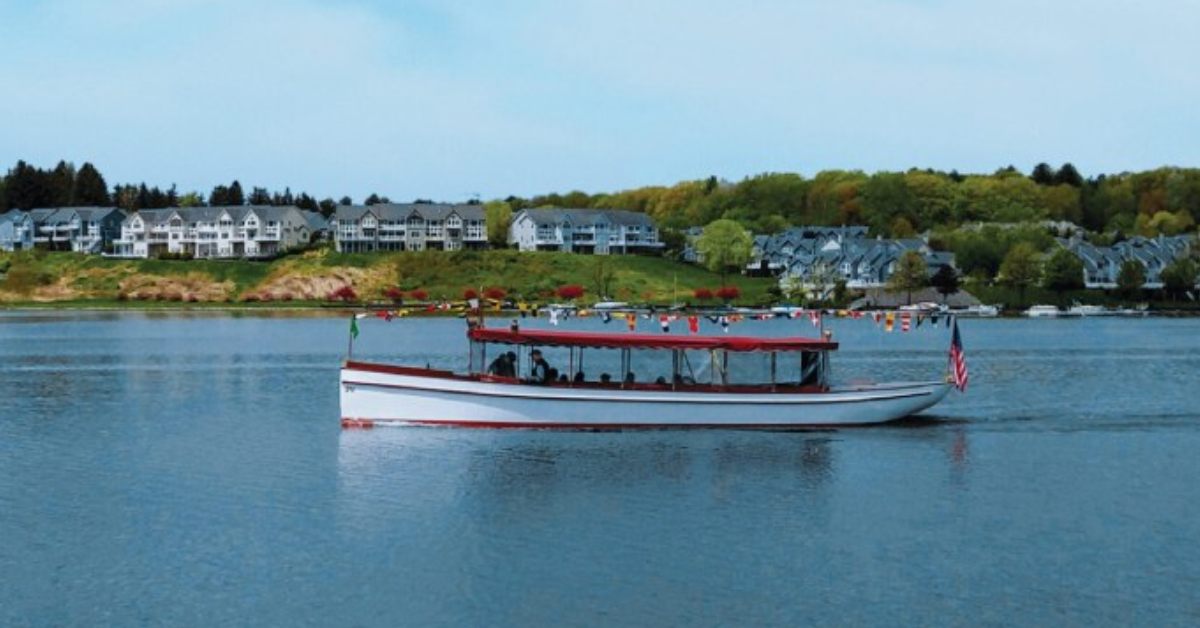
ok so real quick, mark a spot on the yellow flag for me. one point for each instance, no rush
(889, 321)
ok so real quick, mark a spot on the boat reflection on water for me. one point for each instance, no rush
(527, 474)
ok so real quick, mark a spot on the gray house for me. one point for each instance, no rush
(16, 231)
(597, 231)
(408, 227)
(79, 229)
(1102, 265)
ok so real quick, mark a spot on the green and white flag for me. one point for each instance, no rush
(354, 327)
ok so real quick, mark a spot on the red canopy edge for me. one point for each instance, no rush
(646, 341)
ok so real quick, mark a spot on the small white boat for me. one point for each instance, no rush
(700, 388)
(978, 311)
(611, 305)
(1043, 311)
(1079, 309)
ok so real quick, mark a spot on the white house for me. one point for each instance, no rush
(408, 227)
(213, 232)
(598, 231)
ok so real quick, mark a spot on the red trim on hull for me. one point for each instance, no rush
(614, 426)
(547, 397)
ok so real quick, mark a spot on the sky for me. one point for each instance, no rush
(477, 98)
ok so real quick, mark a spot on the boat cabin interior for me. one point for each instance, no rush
(649, 361)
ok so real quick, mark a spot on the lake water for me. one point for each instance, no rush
(190, 470)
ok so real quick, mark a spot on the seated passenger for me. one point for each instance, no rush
(605, 378)
(660, 380)
(562, 379)
(539, 371)
(505, 365)
(578, 377)
(629, 378)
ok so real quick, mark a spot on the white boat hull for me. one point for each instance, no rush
(370, 397)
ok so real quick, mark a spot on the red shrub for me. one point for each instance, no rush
(570, 291)
(495, 293)
(345, 293)
(728, 293)
(394, 293)
(702, 294)
(419, 294)
(470, 294)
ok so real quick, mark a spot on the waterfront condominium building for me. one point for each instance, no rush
(598, 231)
(78, 229)
(408, 227)
(214, 232)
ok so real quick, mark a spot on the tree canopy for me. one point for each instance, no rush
(1021, 268)
(910, 274)
(725, 245)
(1062, 271)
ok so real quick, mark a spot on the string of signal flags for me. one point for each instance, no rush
(886, 320)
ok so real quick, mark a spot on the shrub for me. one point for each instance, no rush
(495, 293)
(345, 293)
(728, 293)
(570, 291)
(702, 294)
(394, 293)
(418, 294)
(470, 294)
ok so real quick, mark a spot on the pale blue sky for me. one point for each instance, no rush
(450, 99)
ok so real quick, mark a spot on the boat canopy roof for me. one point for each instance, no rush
(554, 338)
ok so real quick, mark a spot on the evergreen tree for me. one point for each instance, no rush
(304, 201)
(90, 188)
(235, 194)
(345, 200)
(28, 187)
(62, 183)
(172, 197)
(1042, 174)
(328, 206)
(1069, 175)
(219, 196)
(373, 199)
(260, 196)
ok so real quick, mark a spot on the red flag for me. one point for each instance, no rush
(958, 361)
(694, 324)
(905, 321)
(631, 319)
(665, 322)
(815, 317)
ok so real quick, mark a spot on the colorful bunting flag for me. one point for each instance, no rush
(664, 321)
(889, 322)
(694, 324)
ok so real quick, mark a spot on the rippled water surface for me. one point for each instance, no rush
(190, 470)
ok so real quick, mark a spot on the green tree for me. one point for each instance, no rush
(910, 274)
(236, 197)
(89, 187)
(1179, 276)
(260, 196)
(945, 281)
(1063, 271)
(1131, 278)
(498, 217)
(191, 199)
(724, 245)
(1021, 268)
(1042, 174)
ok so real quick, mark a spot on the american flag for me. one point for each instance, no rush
(958, 362)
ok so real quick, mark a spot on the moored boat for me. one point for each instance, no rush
(704, 382)
(1043, 311)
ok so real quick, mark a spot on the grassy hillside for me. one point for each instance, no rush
(72, 279)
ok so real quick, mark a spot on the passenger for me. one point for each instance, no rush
(505, 365)
(605, 378)
(629, 378)
(562, 379)
(540, 369)
(660, 380)
(578, 377)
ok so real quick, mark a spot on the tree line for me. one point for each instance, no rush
(27, 187)
(900, 204)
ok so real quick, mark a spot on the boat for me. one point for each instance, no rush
(1043, 311)
(705, 382)
(977, 311)
(611, 305)
(1079, 309)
